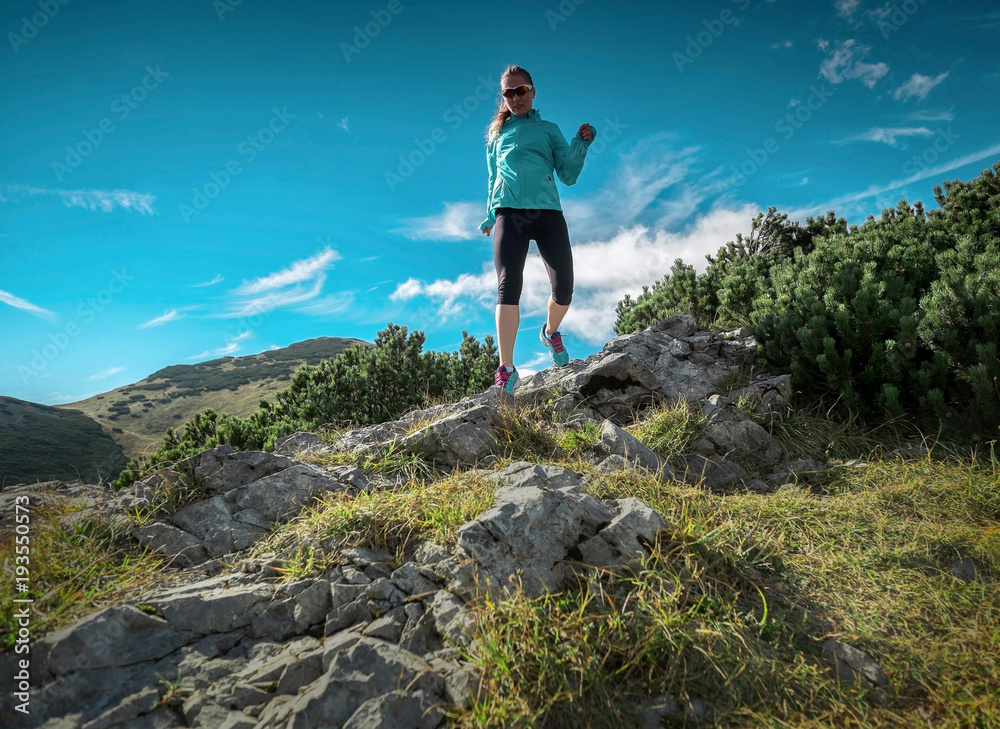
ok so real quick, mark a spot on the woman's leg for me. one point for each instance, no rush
(508, 319)
(510, 249)
(553, 245)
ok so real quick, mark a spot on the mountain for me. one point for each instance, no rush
(138, 415)
(43, 443)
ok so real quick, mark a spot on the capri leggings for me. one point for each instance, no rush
(515, 229)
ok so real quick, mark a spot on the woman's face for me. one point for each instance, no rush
(518, 105)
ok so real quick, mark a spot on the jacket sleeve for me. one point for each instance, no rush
(491, 166)
(567, 159)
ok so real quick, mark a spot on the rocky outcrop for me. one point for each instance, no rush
(376, 642)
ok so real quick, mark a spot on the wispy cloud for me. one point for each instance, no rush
(110, 372)
(103, 200)
(646, 172)
(24, 305)
(167, 316)
(918, 86)
(344, 124)
(458, 221)
(888, 135)
(329, 305)
(782, 45)
(846, 62)
(218, 279)
(847, 8)
(850, 201)
(925, 115)
(301, 281)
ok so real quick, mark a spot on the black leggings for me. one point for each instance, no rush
(515, 229)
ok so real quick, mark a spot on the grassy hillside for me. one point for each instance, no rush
(42, 443)
(138, 415)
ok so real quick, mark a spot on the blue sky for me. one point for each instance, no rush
(188, 180)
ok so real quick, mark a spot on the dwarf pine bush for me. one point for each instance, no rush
(898, 315)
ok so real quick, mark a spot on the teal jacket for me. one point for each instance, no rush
(521, 160)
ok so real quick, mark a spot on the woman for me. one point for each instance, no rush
(522, 152)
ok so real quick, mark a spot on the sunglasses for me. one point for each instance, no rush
(516, 91)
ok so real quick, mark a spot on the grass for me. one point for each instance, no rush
(76, 567)
(388, 521)
(670, 430)
(735, 603)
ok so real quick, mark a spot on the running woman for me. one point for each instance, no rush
(522, 153)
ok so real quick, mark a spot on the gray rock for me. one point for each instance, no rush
(299, 444)
(619, 442)
(183, 548)
(212, 522)
(389, 627)
(367, 668)
(398, 710)
(967, 570)
(713, 472)
(851, 664)
(409, 579)
(116, 636)
(452, 619)
(212, 605)
(281, 495)
(130, 707)
(733, 432)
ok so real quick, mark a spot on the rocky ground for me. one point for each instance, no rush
(384, 640)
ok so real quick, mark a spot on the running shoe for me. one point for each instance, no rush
(553, 343)
(506, 379)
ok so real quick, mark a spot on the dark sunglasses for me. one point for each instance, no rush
(516, 91)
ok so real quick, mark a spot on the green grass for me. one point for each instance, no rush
(76, 567)
(740, 595)
(391, 521)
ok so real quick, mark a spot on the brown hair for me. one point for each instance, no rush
(503, 113)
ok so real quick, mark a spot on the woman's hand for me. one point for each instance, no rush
(487, 231)
(585, 133)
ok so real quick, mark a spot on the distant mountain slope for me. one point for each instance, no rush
(40, 443)
(138, 415)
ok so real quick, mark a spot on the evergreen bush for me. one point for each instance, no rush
(900, 315)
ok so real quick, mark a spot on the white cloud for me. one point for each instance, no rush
(605, 270)
(218, 279)
(167, 316)
(458, 221)
(344, 124)
(110, 372)
(24, 305)
(889, 135)
(845, 63)
(923, 115)
(302, 281)
(781, 45)
(847, 8)
(329, 304)
(300, 271)
(103, 200)
(918, 86)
